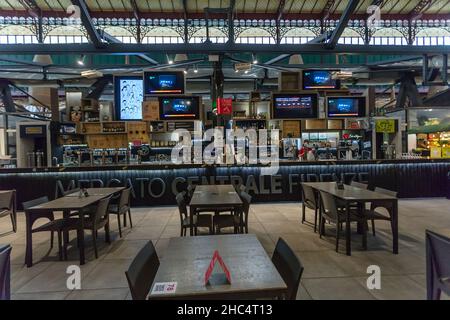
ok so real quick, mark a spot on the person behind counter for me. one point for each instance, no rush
(306, 152)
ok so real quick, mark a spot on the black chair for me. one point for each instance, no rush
(309, 199)
(333, 213)
(8, 206)
(359, 185)
(98, 221)
(122, 208)
(438, 265)
(142, 272)
(52, 226)
(242, 220)
(5, 272)
(289, 267)
(373, 215)
(199, 220)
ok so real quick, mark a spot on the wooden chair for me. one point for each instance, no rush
(5, 272)
(142, 272)
(309, 200)
(8, 206)
(289, 267)
(334, 214)
(122, 208)
(359, 185)
(437, 265)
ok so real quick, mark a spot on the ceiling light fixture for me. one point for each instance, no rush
(254, 59)
(81, 60)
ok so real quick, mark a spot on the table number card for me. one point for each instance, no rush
(217, 278)
(164, 288)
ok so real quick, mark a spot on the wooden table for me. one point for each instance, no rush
(213, 196)
(186, 260)
(68, 204)
(354, 194)
(98, 191)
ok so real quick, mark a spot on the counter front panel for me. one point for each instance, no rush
(157, 185)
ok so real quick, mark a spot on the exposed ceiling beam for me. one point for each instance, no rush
(416, 12)
(280, 9)
(109, 38)
(342, 24)
(31, 7)
(136, 13)
(216, 48)
(86, 19)
(327, 9)
(277, 59)
(394, 60)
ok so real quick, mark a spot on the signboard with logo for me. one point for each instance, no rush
(33, 131)
(385, 126)
(224, 106)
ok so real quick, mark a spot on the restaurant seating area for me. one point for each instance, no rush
(125, 267)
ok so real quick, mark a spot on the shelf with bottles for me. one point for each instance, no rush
(247, 123)
(114, 127)
(90, 110)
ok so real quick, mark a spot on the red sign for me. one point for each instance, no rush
(345, 136)
(224, 106)
(216, 257)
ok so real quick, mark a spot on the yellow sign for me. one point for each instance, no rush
(33, 130)
(385, 125)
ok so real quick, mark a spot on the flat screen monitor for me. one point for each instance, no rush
(294, 106)
(319, 80)
(128, 97)
(163, 82)
(179, 107)
(346, 107)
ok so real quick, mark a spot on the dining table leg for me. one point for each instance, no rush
(191, 220)
(29, 245)
(395, 226)
(348, 244)
(81, 238)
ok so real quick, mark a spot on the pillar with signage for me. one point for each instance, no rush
(387, 138)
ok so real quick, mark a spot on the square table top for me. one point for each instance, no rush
(349, 193)
(215, 196)
(186, 260)
(68, 203)
(98, 191)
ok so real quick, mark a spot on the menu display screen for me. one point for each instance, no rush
(167, 82)
(179, 107)
(294, 106)
(343, 107)
(128, 97)
(319, 79)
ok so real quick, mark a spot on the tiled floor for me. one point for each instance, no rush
(327, 275)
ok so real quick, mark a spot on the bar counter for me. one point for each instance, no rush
(157, 183)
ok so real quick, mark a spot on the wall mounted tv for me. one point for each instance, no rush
(346, 107)
(163, 82)
(128, 97)
(294, 106)
(319, 80)
(179, 107)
